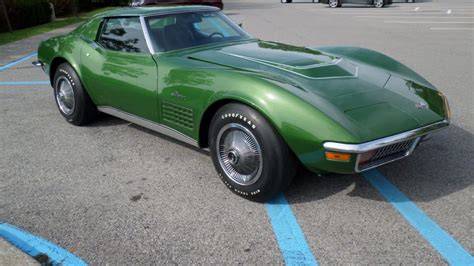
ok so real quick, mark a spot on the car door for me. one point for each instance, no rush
(369, 2)
(119, 70)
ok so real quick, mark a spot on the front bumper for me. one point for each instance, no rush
(385, 150)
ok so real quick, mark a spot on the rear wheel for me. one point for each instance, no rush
(72, 100)
(248, 154)
(379, 3)
(334, 3)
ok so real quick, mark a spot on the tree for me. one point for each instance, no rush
(75, 7)
(6, 15)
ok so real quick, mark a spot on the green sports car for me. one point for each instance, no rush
(262, 108)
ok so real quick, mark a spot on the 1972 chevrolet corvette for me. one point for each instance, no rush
(262, 108)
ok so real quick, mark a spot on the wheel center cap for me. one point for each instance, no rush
(233, 156)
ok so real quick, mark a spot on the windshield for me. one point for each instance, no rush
(184, 30)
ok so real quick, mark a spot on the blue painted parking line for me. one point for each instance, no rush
(293, 246)
(445, 244)
(24, 83)
(34, 246)
(7, 66)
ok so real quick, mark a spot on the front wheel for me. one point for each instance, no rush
(71, 98)
(379, 3)
(249, 155)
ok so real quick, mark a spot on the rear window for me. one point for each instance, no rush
(123, 35)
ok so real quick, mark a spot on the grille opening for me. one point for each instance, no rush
(385, 154)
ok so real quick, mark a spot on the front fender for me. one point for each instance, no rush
(300, 124)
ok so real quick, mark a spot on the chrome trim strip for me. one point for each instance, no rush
(375, 144)
(147, 35)
(149, 124)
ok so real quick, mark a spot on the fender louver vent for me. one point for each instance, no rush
(178, 115)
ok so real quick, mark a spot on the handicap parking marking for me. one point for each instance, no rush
(15, 62)
(453, 252)
(293, 246)
(36, 246)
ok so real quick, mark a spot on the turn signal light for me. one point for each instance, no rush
(337, 156)
(446, 106)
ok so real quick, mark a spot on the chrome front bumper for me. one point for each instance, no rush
(386, 149)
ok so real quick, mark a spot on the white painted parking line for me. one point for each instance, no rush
(397, 13)
(428, 22)
(417, 8)
(412, 17)
(451, 28)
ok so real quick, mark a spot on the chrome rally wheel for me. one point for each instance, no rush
(239, 154)
(65, 95)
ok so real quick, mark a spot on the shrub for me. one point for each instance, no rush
(26, 13)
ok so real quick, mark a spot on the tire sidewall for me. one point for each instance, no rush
(273, 176)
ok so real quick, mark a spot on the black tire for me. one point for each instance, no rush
(83, 110)
(286, 1)
(278, 165)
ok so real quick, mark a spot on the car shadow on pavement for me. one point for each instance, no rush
(105, 120)
(177, 142)
(439, 167)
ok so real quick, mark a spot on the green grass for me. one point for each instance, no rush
(7, 37)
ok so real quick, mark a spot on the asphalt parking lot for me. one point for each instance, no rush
(113, 192)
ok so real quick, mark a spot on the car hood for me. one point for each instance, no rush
(371, 102)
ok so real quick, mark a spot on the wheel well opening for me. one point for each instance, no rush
(206, 122)
(54, 65)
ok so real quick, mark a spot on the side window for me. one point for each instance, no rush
(123, 35)
(161, 22)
